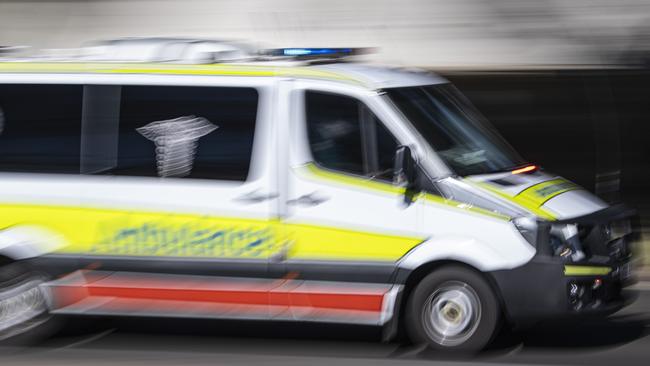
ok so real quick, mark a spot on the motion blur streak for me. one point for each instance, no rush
(210, 175)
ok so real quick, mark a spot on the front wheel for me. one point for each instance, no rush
(453, 309)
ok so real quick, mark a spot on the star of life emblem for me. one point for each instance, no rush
(176, 142)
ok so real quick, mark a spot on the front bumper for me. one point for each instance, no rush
(541, 290)
(549, 288)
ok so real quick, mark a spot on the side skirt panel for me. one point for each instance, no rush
(94, 292)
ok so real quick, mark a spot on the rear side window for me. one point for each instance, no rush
(40, 128)
(344, 135)
(178, 131)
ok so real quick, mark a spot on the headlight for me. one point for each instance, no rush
(527, 227)
(565, 242)
(561, 249)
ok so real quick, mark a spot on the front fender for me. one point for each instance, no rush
(476, 253)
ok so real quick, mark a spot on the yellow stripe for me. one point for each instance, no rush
(368, 184)
(586, 270)
(539, 193)
(531, 205)
(173, 69)
(139, 233)
(317, 242)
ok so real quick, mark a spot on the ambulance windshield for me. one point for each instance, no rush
(462, 137)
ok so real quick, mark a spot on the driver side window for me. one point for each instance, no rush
(344, 135)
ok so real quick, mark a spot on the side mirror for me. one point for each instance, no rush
(405, 172)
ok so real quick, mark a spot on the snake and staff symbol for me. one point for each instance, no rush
(176, 142)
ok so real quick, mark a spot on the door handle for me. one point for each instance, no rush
(310, 199)
(255, 197)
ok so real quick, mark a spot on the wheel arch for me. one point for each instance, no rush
(411, 278)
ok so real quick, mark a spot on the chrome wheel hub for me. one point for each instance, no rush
(451, 314)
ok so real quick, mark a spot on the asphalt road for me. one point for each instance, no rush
(621, 339)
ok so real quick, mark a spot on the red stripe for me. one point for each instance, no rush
(368, 302)
(229, 297)
(287, 293)
(329, 300)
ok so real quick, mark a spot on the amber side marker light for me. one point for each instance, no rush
(526, 169)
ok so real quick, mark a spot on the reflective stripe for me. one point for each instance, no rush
(317, 242)
(523, 201)
(539, 193)
(570, 270)
(163, 234)
(141, 233)
(534, 197)
(173, 69)
(368, 184)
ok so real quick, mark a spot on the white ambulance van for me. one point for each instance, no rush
(292, 185)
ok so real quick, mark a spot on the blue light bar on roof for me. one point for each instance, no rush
(316, 51)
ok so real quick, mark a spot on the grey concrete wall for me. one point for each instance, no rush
(417, 32)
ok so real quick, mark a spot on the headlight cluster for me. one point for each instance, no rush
(564, 238)
(565, 242)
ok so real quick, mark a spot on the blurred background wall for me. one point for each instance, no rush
(459, 33)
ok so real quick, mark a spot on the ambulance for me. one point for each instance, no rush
(198, 179)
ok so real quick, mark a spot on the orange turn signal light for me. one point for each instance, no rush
(526, 169)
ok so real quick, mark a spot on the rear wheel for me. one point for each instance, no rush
(23, 304)
(453, 309)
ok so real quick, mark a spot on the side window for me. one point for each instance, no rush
(344, 135)
(178, 131)
(334, 130)
(40, 128)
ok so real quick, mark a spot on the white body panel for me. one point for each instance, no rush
(574, 203)
(481, 241)
(280, 150)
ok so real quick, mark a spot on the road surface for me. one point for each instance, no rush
(619, 340)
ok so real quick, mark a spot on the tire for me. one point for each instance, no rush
(453, 309)
(24, 305)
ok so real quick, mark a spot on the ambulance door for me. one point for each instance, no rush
(346, 221)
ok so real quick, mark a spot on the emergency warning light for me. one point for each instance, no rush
(315, 52)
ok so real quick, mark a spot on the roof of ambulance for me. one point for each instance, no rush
(366, 75)
(383, 76)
